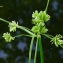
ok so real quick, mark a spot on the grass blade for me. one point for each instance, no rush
(36, 51)
(41, 50)
(30, 51)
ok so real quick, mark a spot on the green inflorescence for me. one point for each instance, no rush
(8, 37)
(39, 19)
(12, 26)
(57, 40)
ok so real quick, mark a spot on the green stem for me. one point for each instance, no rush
(23, 35)
(23, 28)
(36, 51)
(30, 51)
(4, 20)
(47, 6)
(48, 36)
(41, 50)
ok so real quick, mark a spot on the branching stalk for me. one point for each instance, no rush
(32, 34)
(21, 27)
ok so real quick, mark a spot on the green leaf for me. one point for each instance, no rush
(30, 51)
(41, 50)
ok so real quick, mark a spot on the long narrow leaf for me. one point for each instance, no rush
(41, 50)
(30, 51)
(36, 51)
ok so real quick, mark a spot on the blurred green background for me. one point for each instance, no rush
(21, 11)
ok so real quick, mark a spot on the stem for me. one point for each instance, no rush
(41, 50)
(48, 36)
(30, 51)
(23, 35)
(47, 6)
(23, 28)
(4, 20)
(36, 51)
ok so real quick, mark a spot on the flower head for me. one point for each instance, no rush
(42, 16)
(35, 14)
(57, 40)
(12, 26)
(8, 37)
(39, 28)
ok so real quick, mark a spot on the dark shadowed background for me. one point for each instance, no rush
(21, 11)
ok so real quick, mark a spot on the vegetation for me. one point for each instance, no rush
(38, 19)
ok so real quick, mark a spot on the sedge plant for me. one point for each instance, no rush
(38, 19)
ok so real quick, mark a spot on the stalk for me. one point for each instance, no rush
(21, 27)
(36, 51)
(30, 51)
(22, 35)
(24, 29)
(41, 50)
(48, 36)
(47, 6)
(4, 20)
